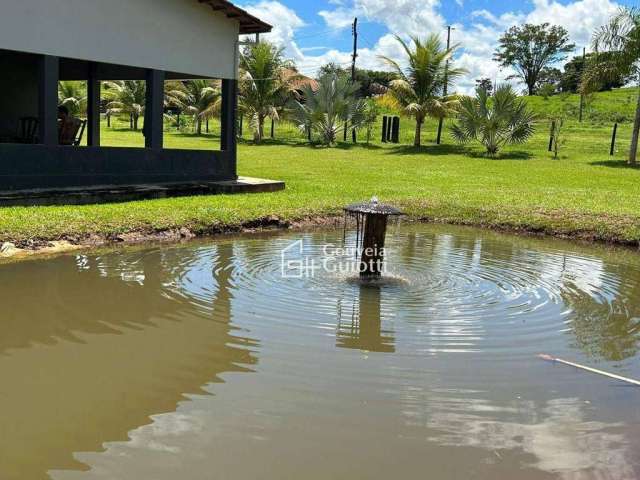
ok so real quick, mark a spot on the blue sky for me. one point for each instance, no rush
(316, 32)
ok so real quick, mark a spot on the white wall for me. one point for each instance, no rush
(180, 36)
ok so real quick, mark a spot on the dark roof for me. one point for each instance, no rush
(248, 23)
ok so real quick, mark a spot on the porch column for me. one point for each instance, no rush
(48, 76)
(93, 108)
(154, 110)
(228, 140)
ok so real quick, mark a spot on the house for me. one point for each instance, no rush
(45, 41)
(299, 82)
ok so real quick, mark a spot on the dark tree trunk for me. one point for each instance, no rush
(417, 140)
(259, 133)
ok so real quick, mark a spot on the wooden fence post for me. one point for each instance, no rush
(384, 128)
(395, 131)
(613, 139)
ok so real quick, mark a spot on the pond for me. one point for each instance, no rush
(256, 357)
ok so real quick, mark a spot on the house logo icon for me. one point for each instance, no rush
(293, 262)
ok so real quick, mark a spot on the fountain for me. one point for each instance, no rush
(371, 229)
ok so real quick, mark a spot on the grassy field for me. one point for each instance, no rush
(585, 193)
(602, 108)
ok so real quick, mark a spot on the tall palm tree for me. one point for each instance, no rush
(126, 96)
(199, 98)
(419, 88)
(621, 39)
(328, 107)
(263, 84)
(73, 95)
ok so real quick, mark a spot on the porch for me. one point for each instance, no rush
(30, 89)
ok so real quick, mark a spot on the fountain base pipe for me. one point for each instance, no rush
(375, 230)
(372, 217)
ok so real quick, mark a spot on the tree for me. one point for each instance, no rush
(372, 82)
(418, 88)
(73, 95)
(370, 114)
(494, 121)
(549, 79)
(199, 98)
(621, 39)
(485, 84)
(529, 48)
(574, 69)
(263, 84)
(327, 109)
(333, 68)
(126, 96)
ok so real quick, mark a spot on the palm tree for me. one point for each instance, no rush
(370, 116)
(328, 107)
(126, 96)
(263, 84)
(494, 121)
(621, 39)
(419, 88)
(73, 95)
(199, 98)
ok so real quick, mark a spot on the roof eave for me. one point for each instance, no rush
(249, 24)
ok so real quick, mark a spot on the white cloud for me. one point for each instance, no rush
(339, 18)
(579, 18)
(407, 16)
(477, 39)
(285, 22)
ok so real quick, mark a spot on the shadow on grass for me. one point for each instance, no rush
(351, 146)
(306, 144)
(444, 149)
(453, 149)
(270, 141)
(615, 164)
(513, 155)
(193, 134)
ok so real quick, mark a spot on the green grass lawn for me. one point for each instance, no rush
(586, 193)
(617, 105)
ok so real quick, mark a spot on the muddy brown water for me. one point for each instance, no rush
(202, 360)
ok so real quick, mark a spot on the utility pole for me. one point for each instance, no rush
(354, 56)
(354, 32)
(584, 58)
(444, 91)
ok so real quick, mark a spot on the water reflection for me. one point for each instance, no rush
(93, 346)
(364, 330)
(131, 364)
(555, 437)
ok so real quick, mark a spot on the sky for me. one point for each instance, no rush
(314, 33)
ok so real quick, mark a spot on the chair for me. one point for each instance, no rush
(80, 132)
(28, 130)
(72, 136)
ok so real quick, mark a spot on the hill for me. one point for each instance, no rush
(617, 105)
